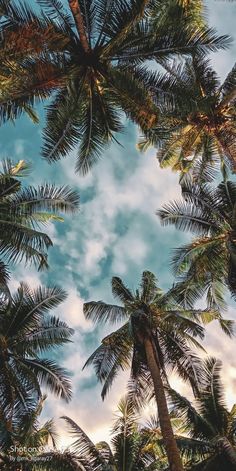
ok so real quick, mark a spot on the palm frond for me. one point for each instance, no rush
(51, 376)
(120, 291)
(101, 312)
(83, 446)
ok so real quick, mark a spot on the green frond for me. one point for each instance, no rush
(120, 291)
(187, 218)
(212, 403)
(101, 312)
(51, 376)
(24, 209)
(112, 356)
(27, 331)
(83, 446)
(228, 89)
(148, 286)
(194, 423)
(47, 197)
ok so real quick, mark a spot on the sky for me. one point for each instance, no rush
(116, 233)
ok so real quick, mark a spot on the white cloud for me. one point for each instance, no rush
(71, 310)
(129, 249)
(99, 230)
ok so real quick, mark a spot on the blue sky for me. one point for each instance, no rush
(115, 233)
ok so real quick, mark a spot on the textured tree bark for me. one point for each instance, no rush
(76, 12)
(172, 450)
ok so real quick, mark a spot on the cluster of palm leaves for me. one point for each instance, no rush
(90, 62)
(23, 211)
(92, 58)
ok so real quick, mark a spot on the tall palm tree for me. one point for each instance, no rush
(131, 447)
(197, 125)
(23, 211)
(209, 260)
(93, 54)
(27, 334)
(156, 334)
(209, 443)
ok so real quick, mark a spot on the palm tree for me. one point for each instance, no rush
(131, 447)
(210, 428)
(197, 125)
(27, 334)
(156, 334)
(93, 55)
(209, 260)
(23, 210)
(130, 444)
(27, 435)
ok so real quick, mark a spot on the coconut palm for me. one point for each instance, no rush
(27, 334)
(23, 211)
(92, 54)
(210, 428)
(208, 261)
(197, 125)
(131, 447)
(156, 334)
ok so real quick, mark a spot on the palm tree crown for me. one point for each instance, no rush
(27, 334)
(23, 210)
(209, 260)
(197, 125)
(210, 441)
(93, 56)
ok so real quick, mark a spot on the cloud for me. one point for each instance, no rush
(118, 205)
(221, 16)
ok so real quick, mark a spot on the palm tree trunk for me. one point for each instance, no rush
(172, 450)
(76, 12)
